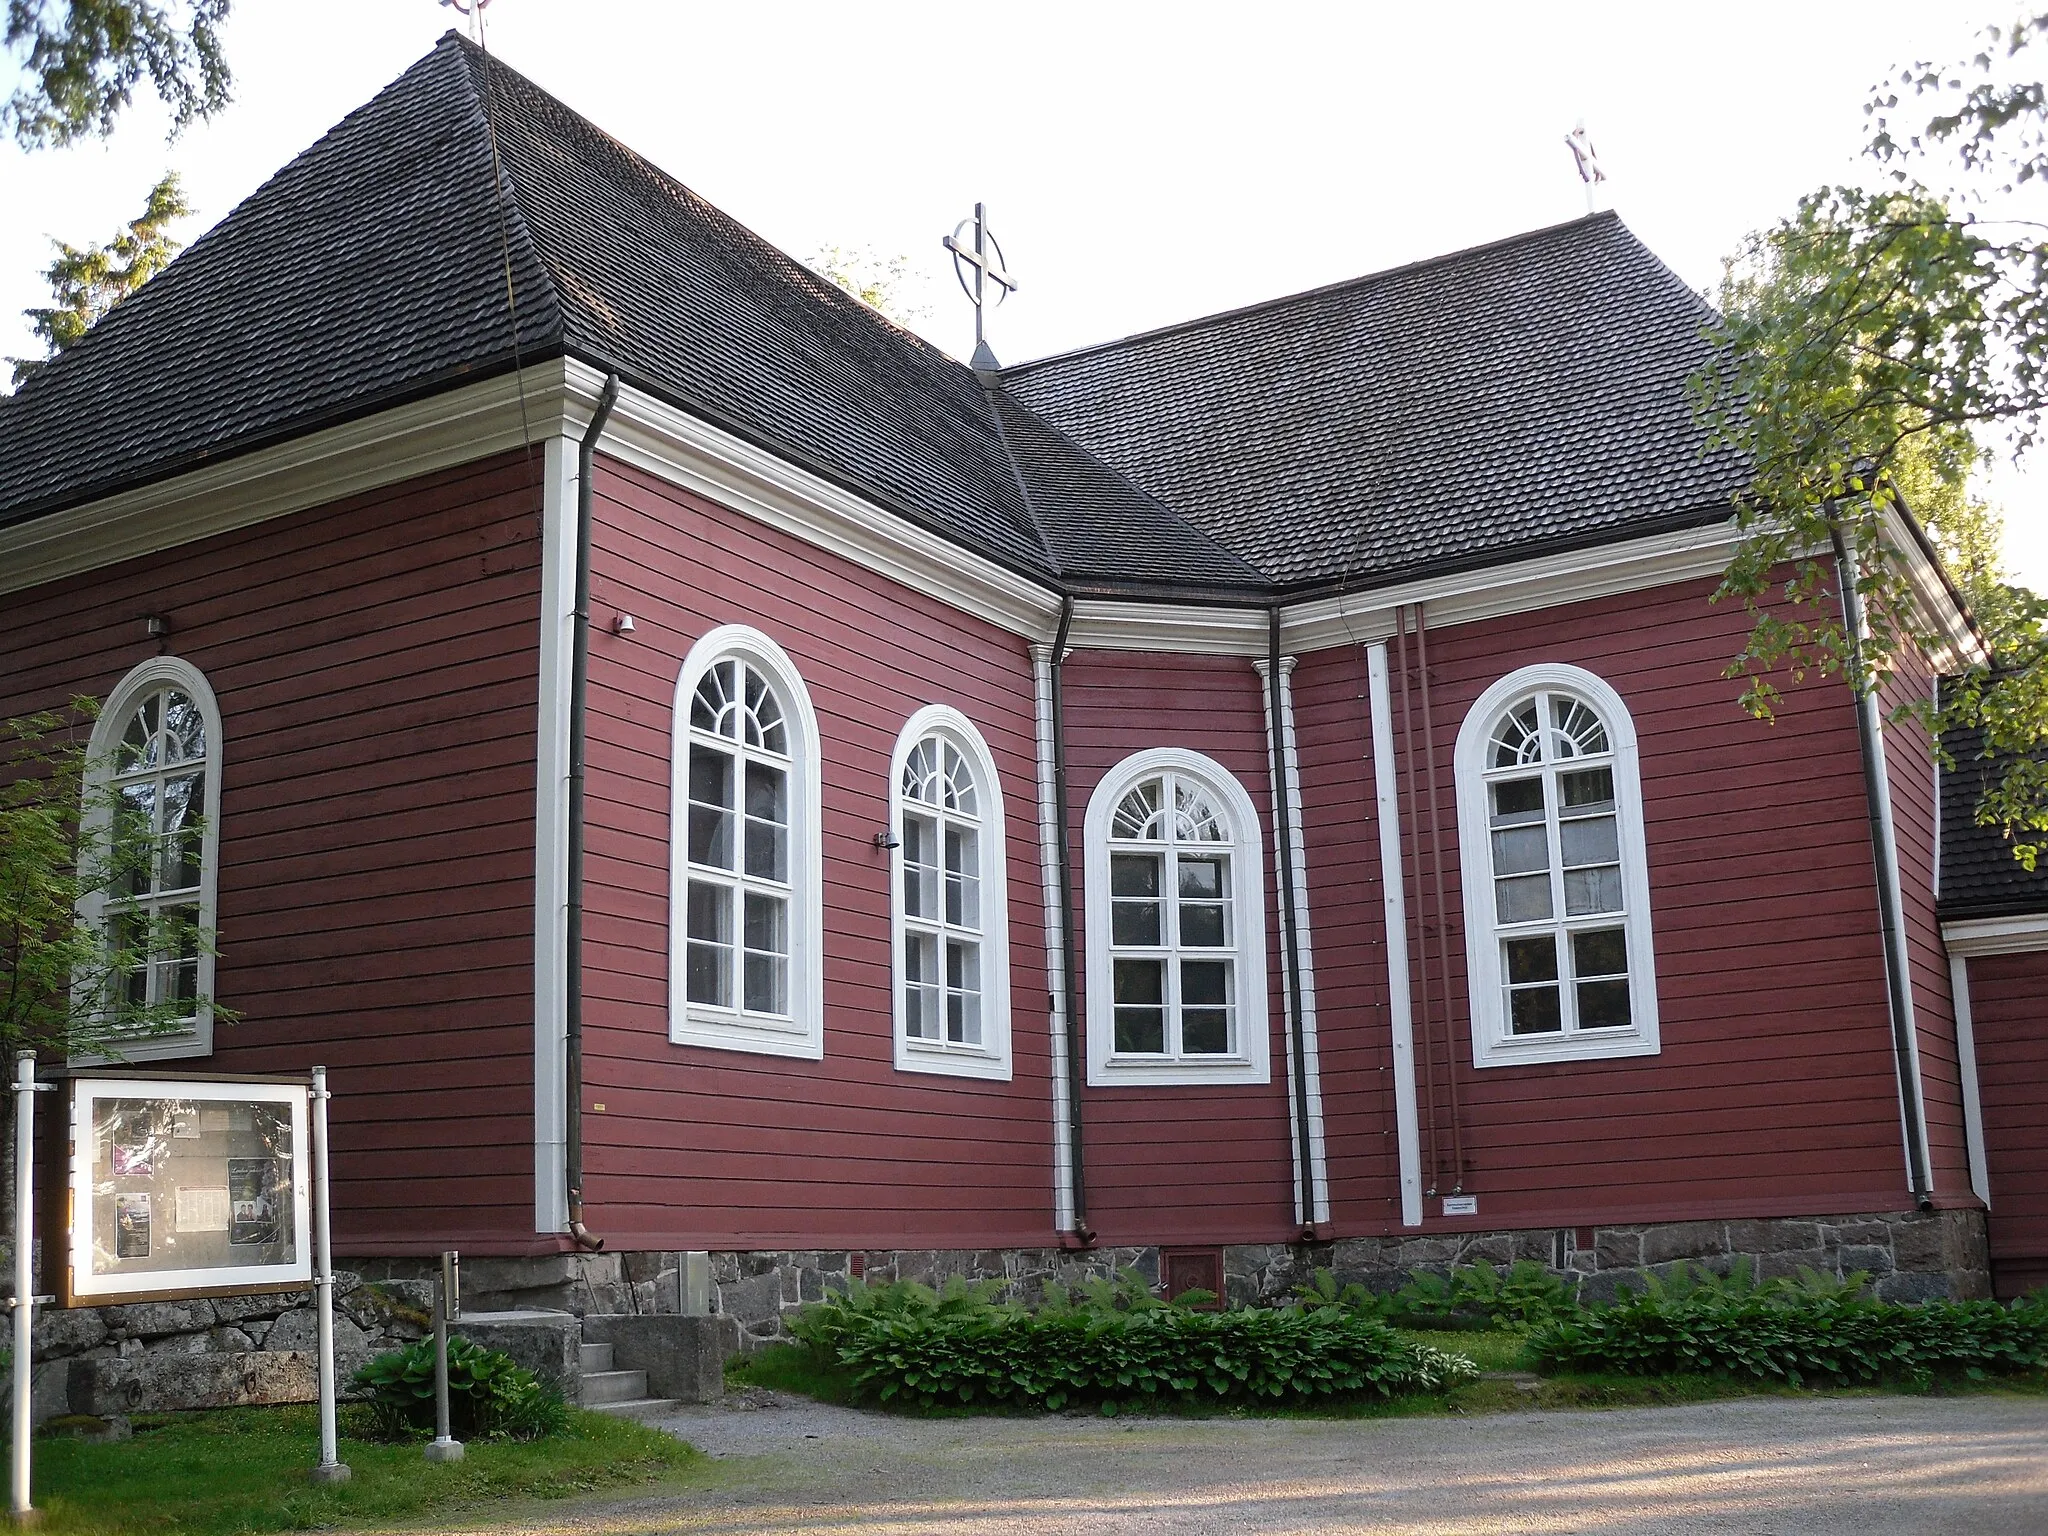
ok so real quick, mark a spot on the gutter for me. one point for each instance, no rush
(1884, 854)
(579, 689)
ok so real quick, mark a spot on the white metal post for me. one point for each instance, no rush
(329, 1469)
(24, 1278)
(444, 1446)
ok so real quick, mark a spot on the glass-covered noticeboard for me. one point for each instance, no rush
(187, 1187)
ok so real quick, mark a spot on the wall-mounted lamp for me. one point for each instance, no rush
(887, 839)
(155, 625)
(622, 624)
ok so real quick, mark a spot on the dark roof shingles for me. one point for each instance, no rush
(1979, 875)
(1522, 395)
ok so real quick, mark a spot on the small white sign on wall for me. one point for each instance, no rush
(1461, 1205)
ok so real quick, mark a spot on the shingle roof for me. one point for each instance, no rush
(1519, 396)
(1522, 396)
(1979, 875)
(371, 269)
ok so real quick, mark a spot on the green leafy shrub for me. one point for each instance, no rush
(489, 1394)
(1813, 1329)
(1474, 1295)
(1109, 1342)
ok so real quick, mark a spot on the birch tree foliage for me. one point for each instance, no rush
(1871, 349)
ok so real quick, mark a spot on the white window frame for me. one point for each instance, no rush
(1492, 1045)
(803, 1034)
(1253, 1061)
(157, 673)
(990, 1059)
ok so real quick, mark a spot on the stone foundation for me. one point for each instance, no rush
(258, 1349)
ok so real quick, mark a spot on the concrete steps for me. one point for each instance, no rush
(607, 1389)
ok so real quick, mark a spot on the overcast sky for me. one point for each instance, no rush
(1143, 163)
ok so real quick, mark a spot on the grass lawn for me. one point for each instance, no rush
(791, 1368)
(244, 1470)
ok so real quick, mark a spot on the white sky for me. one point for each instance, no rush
(1142, 162)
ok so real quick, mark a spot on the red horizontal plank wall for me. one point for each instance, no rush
(1181, 1164)
(2009, 1017)
(1910, 771)
(1347, 927)
(1774, 1092)
(376, 664)
(705, 1148)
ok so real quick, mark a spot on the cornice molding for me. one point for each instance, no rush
(1997, 935)
(441, 431)
(688, 452)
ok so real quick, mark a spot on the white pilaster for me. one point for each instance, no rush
(1400, 1004)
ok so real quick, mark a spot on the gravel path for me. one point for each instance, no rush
(1850, 1466)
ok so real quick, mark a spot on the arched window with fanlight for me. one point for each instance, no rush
(950, 904)
(746, 914)
(152, 815)
(1175, 919)
(1557, 907)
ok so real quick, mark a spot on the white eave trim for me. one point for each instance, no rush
(457, 426)
(1459, 597)
(1997, 935)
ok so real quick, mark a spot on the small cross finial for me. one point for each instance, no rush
(1581, 146)
(984, 258)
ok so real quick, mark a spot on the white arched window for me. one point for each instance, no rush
(1176, 928)
(950, 907)
(153, 799)
(746, 906)
(1557, 895)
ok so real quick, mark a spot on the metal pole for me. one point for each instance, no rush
(444, 1446)
(329, 1469)
(24, 1278)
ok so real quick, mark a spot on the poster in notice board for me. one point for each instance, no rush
(187, 1187)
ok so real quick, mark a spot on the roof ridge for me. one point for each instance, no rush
(992, 397)
(1089, 455)
(1362, 280)
(478, 65)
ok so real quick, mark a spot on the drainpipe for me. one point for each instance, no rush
(1290, 954)
(1071, 1002)
(1884, 853)
(1436, 866)
(579, 688)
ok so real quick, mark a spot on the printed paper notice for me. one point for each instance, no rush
(203, 1210)
(131, 1226)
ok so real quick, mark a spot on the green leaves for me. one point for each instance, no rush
(1870, 346)
(489, 1393)
(83, 59)
(1107, 1342)
(1813, 1329)
(1164, 1354)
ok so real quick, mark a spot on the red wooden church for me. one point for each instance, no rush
(1255, 793)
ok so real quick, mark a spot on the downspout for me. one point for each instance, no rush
(1071, 1001)
(1443, 922)
(579, 688)
(1884, 854)
(1290, 957)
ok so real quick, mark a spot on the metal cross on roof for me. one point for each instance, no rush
(984, 258)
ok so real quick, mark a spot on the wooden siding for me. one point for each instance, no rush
(1182, 1164)
(1774, 1091)
(2009, 1017)
(706, 1148)
(1910, 771)
(376, 664)
(1340, 825)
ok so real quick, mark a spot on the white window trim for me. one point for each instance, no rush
(991, 1059)
(155, 673)
(1253, 1063)
(1492, 1045)
(805, 1038)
